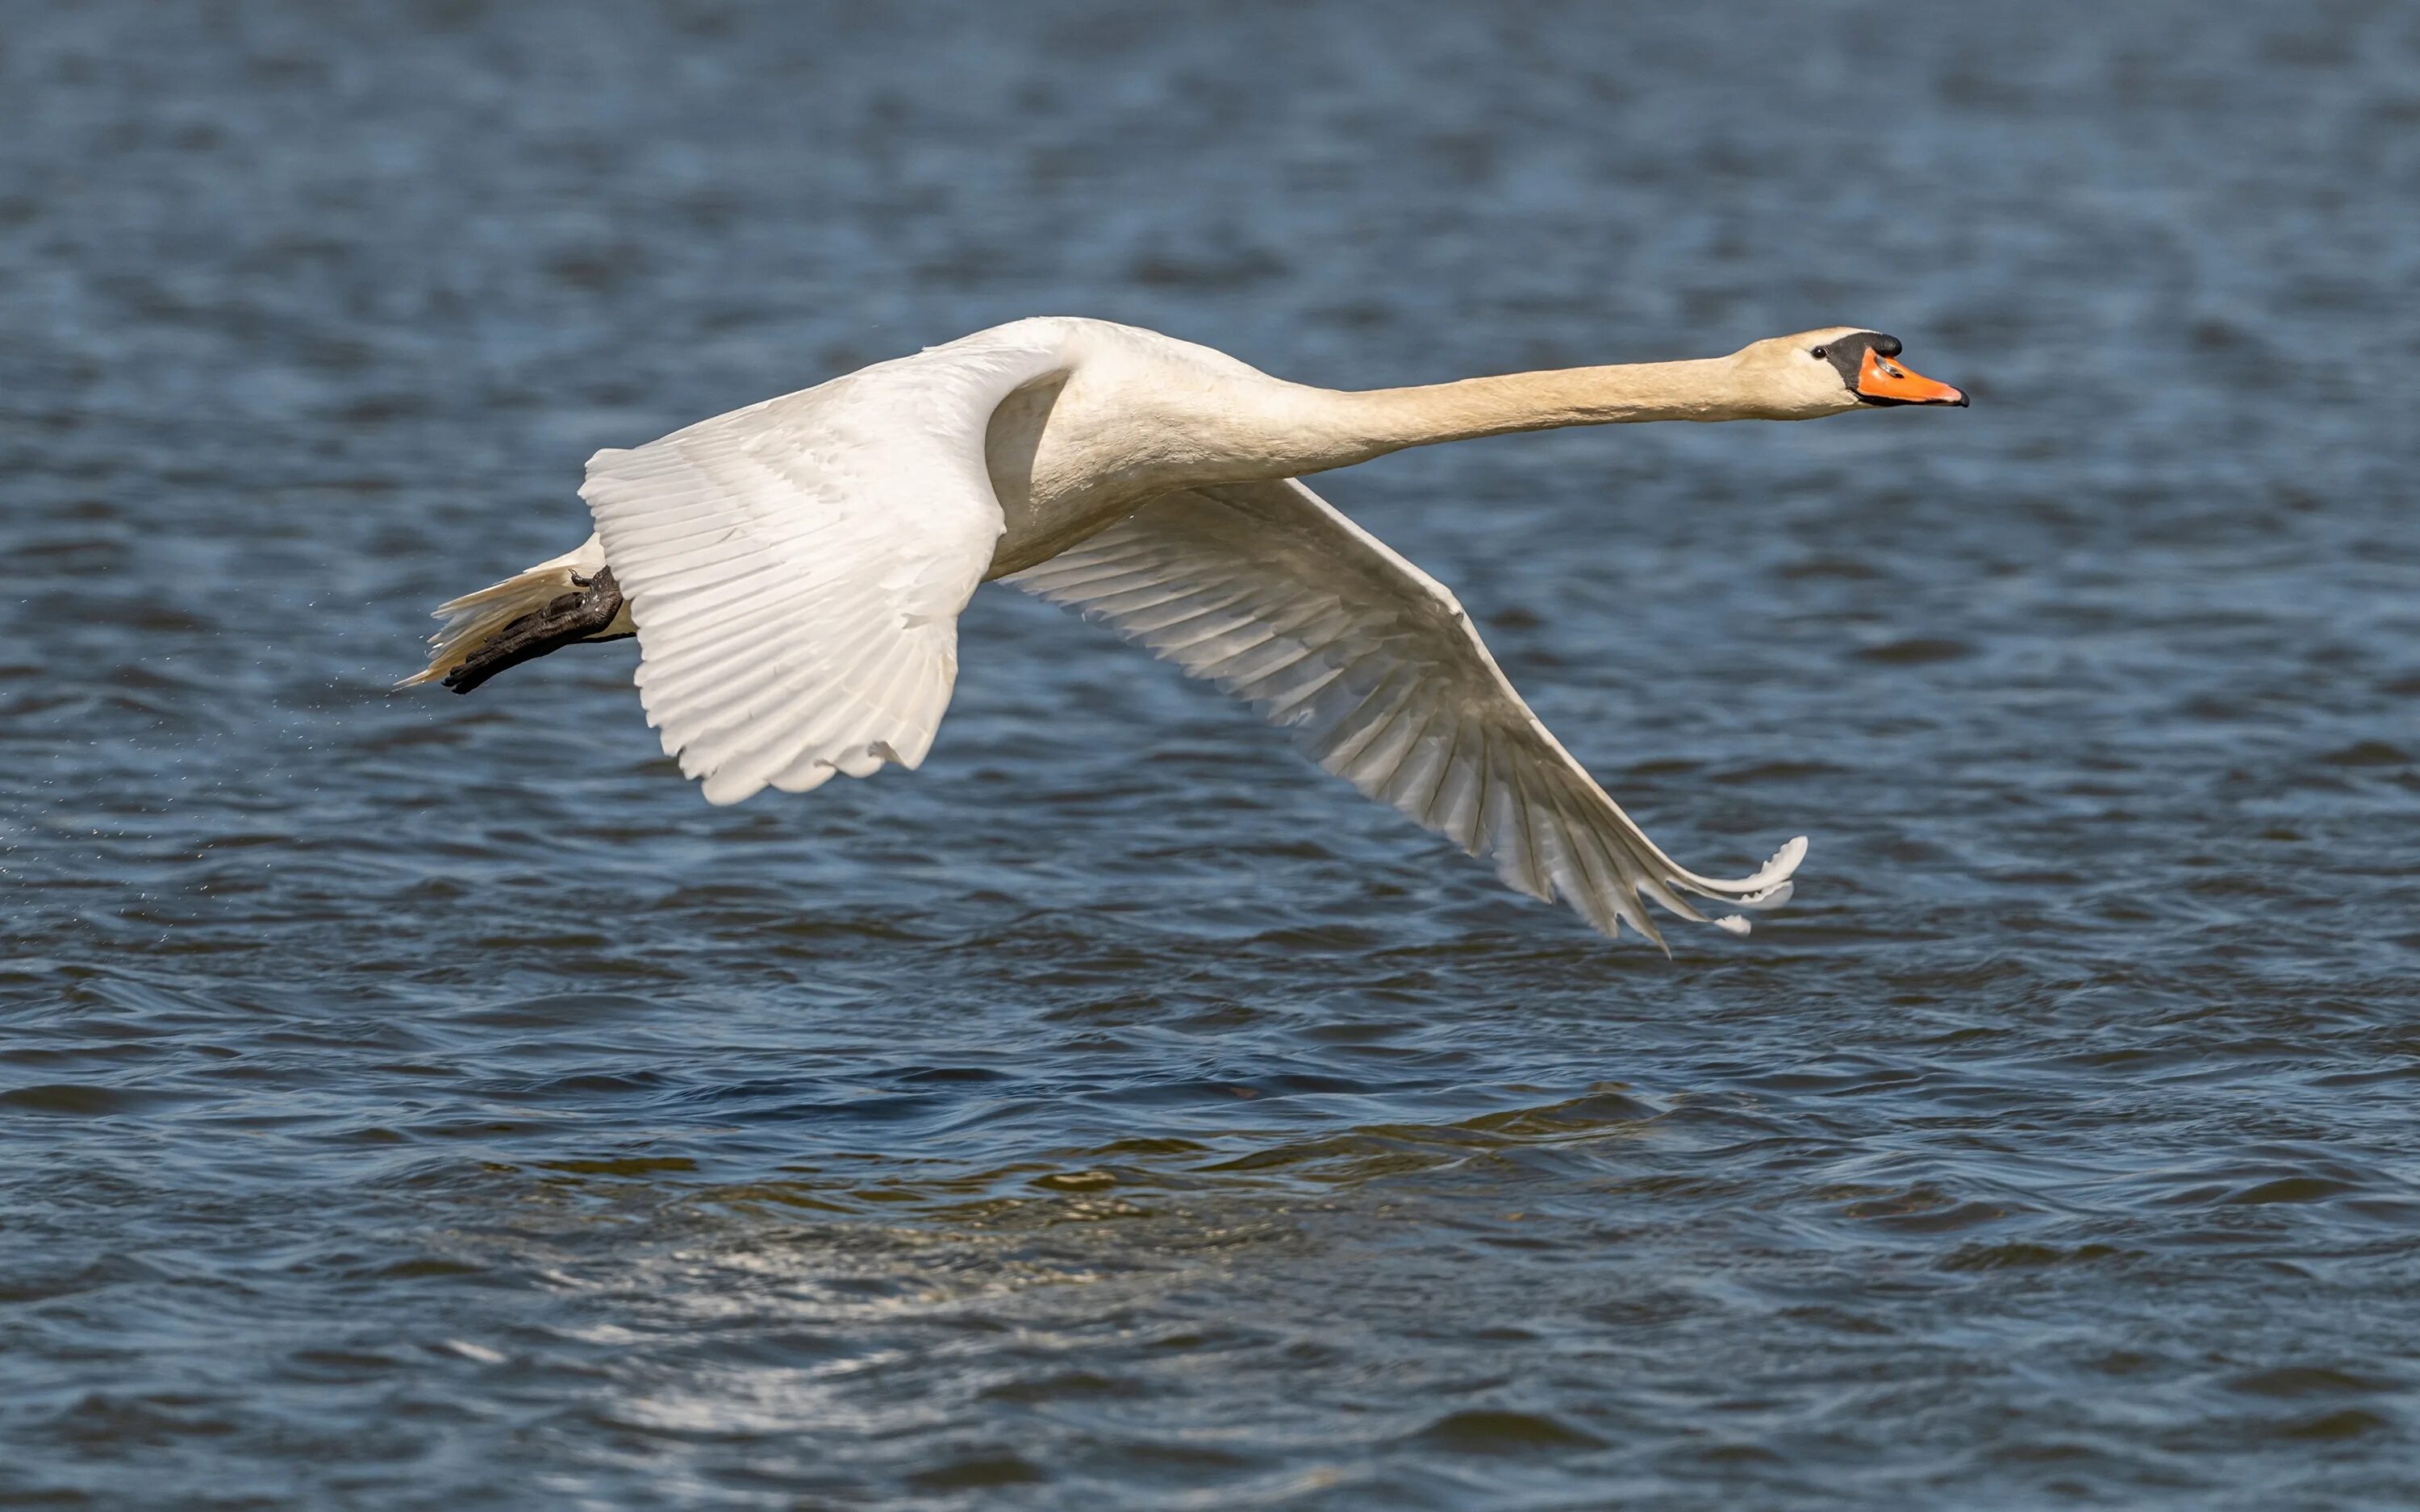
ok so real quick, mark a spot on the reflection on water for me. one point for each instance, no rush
(420, 1101)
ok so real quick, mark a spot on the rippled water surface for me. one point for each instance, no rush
(419, 1102)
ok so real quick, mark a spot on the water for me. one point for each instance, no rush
(413, 1101)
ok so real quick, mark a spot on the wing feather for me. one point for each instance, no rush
(1267, 590)
(796, 569)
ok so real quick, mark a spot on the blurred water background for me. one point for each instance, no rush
(412, 1102)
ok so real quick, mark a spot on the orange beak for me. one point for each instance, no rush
(1883, 380)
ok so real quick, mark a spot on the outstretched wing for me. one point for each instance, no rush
(1267, 591)
(796, 569)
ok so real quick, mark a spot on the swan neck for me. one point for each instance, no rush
(1387, 420)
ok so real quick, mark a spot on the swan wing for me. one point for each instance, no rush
(795, 569)
(1267, 591)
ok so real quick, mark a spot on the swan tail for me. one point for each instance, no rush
(573, 597)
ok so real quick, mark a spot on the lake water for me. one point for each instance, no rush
(412, 1102)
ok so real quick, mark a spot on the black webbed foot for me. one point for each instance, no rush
(566, 618)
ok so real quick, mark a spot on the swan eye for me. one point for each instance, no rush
(1822, 352)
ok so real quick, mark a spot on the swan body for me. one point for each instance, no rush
(794, 570)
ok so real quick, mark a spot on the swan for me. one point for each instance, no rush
(793, 571)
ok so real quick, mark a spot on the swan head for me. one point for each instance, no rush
(1834, 370)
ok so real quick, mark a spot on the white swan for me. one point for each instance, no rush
(793, 571)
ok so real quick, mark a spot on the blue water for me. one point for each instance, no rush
(419, 1102)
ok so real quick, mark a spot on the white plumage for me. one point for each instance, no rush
(795, 570)
(1265, 589)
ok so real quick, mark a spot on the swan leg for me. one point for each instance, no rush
(587, 612)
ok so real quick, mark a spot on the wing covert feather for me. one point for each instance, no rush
(796, 569)
(1270, 592)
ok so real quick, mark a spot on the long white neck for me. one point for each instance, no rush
(1332, 429)
(1137, 415)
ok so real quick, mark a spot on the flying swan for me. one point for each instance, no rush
(795, 570)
